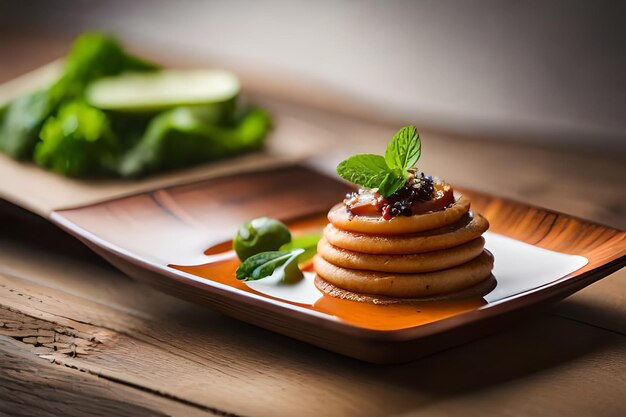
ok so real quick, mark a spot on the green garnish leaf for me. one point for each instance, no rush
(302, 242)
(389, 173)
(404, 149)
(371, 171)
(266, 264)
(306, 242)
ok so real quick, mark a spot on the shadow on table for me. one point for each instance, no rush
(542, 344)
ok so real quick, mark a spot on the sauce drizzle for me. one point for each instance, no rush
(377, 317)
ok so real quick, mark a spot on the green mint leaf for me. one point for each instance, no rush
(371, 171)
(404, 149)
(265, 264)
(364, 169)
(394, 182)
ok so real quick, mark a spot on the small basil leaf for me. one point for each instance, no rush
(265, 264)
(404, 149)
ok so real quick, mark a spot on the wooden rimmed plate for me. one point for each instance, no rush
(177, 240)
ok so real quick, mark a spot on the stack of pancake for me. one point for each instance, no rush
(439, 254)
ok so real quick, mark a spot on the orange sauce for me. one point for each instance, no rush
(219, 248)
(370, 316)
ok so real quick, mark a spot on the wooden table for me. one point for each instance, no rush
(79, 338)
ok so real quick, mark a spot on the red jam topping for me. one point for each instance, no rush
(421, 194)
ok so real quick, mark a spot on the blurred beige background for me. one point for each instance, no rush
(552, 72)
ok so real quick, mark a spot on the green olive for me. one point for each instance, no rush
(260, 235)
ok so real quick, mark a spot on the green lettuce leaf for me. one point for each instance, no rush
(183, 136)
(92, 56)
(22, 121)
(77, 142)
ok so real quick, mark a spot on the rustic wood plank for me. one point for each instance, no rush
(31, 386)
(165, 345)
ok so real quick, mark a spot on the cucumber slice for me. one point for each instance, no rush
(161, 90)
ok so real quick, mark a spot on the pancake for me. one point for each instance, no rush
(474, 292)
(341, 219)
(422, 262)
(468, 228)
(425, 284)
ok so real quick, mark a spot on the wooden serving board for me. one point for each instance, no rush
(150, 235)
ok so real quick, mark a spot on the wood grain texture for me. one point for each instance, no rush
(204, 360)
(176, 224)
(33, 386)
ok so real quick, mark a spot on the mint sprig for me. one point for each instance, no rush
(388, 173)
